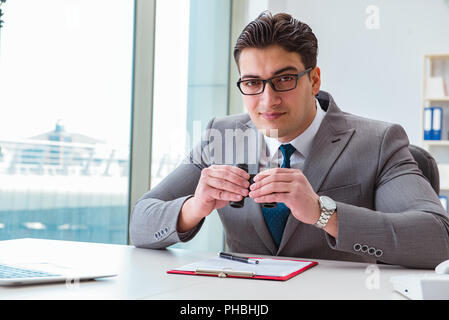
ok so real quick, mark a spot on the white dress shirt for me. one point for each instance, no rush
(302, 144)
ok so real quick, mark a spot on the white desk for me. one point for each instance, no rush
(142, 275)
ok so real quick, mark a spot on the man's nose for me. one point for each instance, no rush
(269, 97)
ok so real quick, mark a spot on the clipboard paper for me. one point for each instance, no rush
(266, 269)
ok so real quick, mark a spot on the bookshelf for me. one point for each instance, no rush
(434, 94)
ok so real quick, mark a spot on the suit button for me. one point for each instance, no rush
(155, 235)
(378, 253)
(372, 251)
(364, 248)
(357, 247)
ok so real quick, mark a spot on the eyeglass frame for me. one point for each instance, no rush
(297, 75)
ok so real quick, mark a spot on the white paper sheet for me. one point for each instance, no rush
(265, 267)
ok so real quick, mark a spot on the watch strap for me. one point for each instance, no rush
(326, 214)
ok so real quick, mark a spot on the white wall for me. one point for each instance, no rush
(377, 72)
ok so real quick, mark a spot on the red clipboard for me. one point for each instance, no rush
(239, 274)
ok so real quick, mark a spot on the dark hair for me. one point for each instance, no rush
(283, 30)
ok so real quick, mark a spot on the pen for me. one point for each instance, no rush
(237, 258)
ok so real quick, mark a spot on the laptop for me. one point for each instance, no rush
(35, 273)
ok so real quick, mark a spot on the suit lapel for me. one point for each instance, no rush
(327, 147)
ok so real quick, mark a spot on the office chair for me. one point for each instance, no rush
(428, 166)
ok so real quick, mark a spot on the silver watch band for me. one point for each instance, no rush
(328, 208)
(323, 219)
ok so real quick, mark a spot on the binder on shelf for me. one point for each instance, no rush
(443, 200)
(437, 116)
(427, 123)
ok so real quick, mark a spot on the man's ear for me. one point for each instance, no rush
(315, 78)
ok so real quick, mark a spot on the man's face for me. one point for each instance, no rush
(290, 112)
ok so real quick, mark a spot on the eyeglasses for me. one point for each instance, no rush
(285, 82)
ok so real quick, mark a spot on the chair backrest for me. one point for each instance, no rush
(428, 166)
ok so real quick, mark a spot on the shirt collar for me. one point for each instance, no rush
(303, 142)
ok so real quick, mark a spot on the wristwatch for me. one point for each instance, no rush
(328, 207)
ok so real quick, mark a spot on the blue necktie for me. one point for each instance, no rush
(276, 217)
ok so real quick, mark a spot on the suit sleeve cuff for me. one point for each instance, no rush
(346, 217)
(369, 227)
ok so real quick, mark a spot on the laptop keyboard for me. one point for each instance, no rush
(8, 272)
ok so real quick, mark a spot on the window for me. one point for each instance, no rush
(65, 101)
(190, 87)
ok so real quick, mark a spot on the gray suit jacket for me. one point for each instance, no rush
(387, 211)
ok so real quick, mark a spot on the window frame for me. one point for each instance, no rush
(142, 101)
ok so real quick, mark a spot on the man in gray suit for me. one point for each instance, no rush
(346, 188)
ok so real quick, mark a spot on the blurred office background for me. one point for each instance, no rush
(101, 99)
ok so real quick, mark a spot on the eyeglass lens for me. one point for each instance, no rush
(281, 83)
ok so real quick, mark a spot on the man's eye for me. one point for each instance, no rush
(251, 83)
(286, 78)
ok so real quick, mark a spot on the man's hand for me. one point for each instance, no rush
(218, 185)
(291, 187)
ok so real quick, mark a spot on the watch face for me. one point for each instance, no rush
(328, 203)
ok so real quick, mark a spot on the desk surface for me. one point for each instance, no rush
(142, 275)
